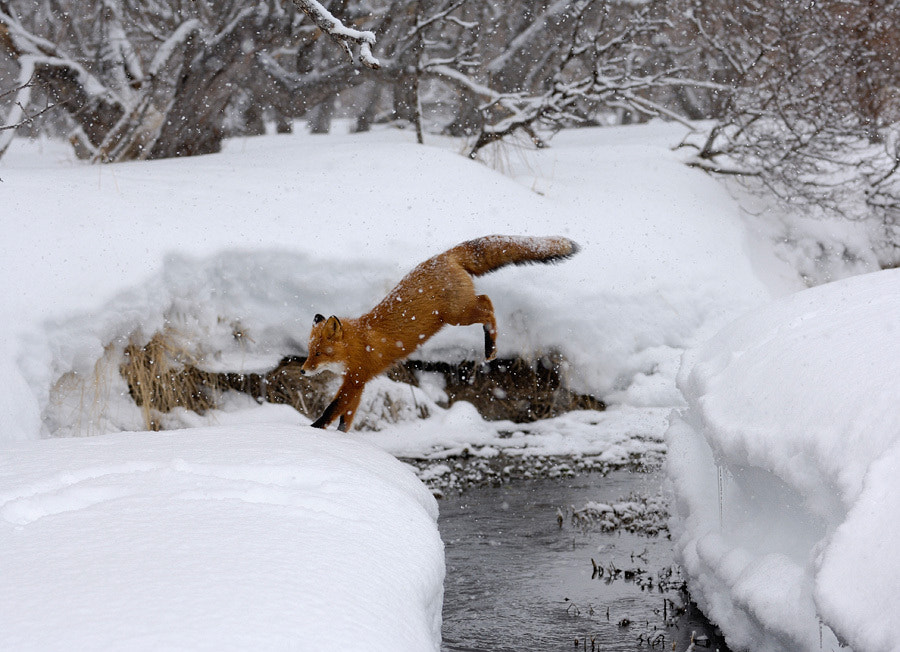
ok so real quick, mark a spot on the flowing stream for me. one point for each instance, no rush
(518, 580)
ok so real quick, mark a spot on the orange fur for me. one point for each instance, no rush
(437, 292)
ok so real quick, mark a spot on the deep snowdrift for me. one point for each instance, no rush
(797, 405)
(253, 538)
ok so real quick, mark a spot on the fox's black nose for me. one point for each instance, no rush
(302, 372)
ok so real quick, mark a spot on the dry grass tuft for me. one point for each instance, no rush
(162, 375)
(78, 402)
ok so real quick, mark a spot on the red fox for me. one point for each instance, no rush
(437, 292)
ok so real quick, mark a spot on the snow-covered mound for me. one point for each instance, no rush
(260, 238)
(786, 465)
(251, 538)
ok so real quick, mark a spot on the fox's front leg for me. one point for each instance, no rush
(343, 407)
(349, 411)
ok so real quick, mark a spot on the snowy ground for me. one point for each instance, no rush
(795, 408)
(251, 538)
(255, 241)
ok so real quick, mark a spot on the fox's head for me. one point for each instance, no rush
(327, 348)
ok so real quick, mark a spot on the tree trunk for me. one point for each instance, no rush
(319, 119)
(194, 123)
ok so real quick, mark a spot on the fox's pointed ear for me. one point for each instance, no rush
(318, 319)
(333, 328)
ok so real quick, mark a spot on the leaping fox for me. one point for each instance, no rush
(437, 292)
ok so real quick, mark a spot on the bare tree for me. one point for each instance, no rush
(154, 79)
(19, 115)
(811, 109)
(610, 61)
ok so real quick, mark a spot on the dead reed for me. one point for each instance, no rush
(162, 375)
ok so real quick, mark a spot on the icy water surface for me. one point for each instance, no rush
(516, 580)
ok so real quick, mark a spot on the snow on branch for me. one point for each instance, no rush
(340, 33)
(116, 47)
(18, 40)
(530, 35)
(172, 43)
(443, 14)
(486, 93)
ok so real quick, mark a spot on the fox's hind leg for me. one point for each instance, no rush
(490, 343)
(478, 309)
(482, 312)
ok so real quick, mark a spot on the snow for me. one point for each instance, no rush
(198, 534)
(165, 51)
(796, 406)
(221, 538)
(334, 27)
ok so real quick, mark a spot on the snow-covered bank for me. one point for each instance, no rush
(796, 406)
(260, 238)
(252, 538)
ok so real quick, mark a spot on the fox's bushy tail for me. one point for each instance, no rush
(492, 252)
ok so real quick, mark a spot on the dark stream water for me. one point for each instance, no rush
(516, 580)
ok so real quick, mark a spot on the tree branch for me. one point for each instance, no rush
(341, 34)
(19, 116)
